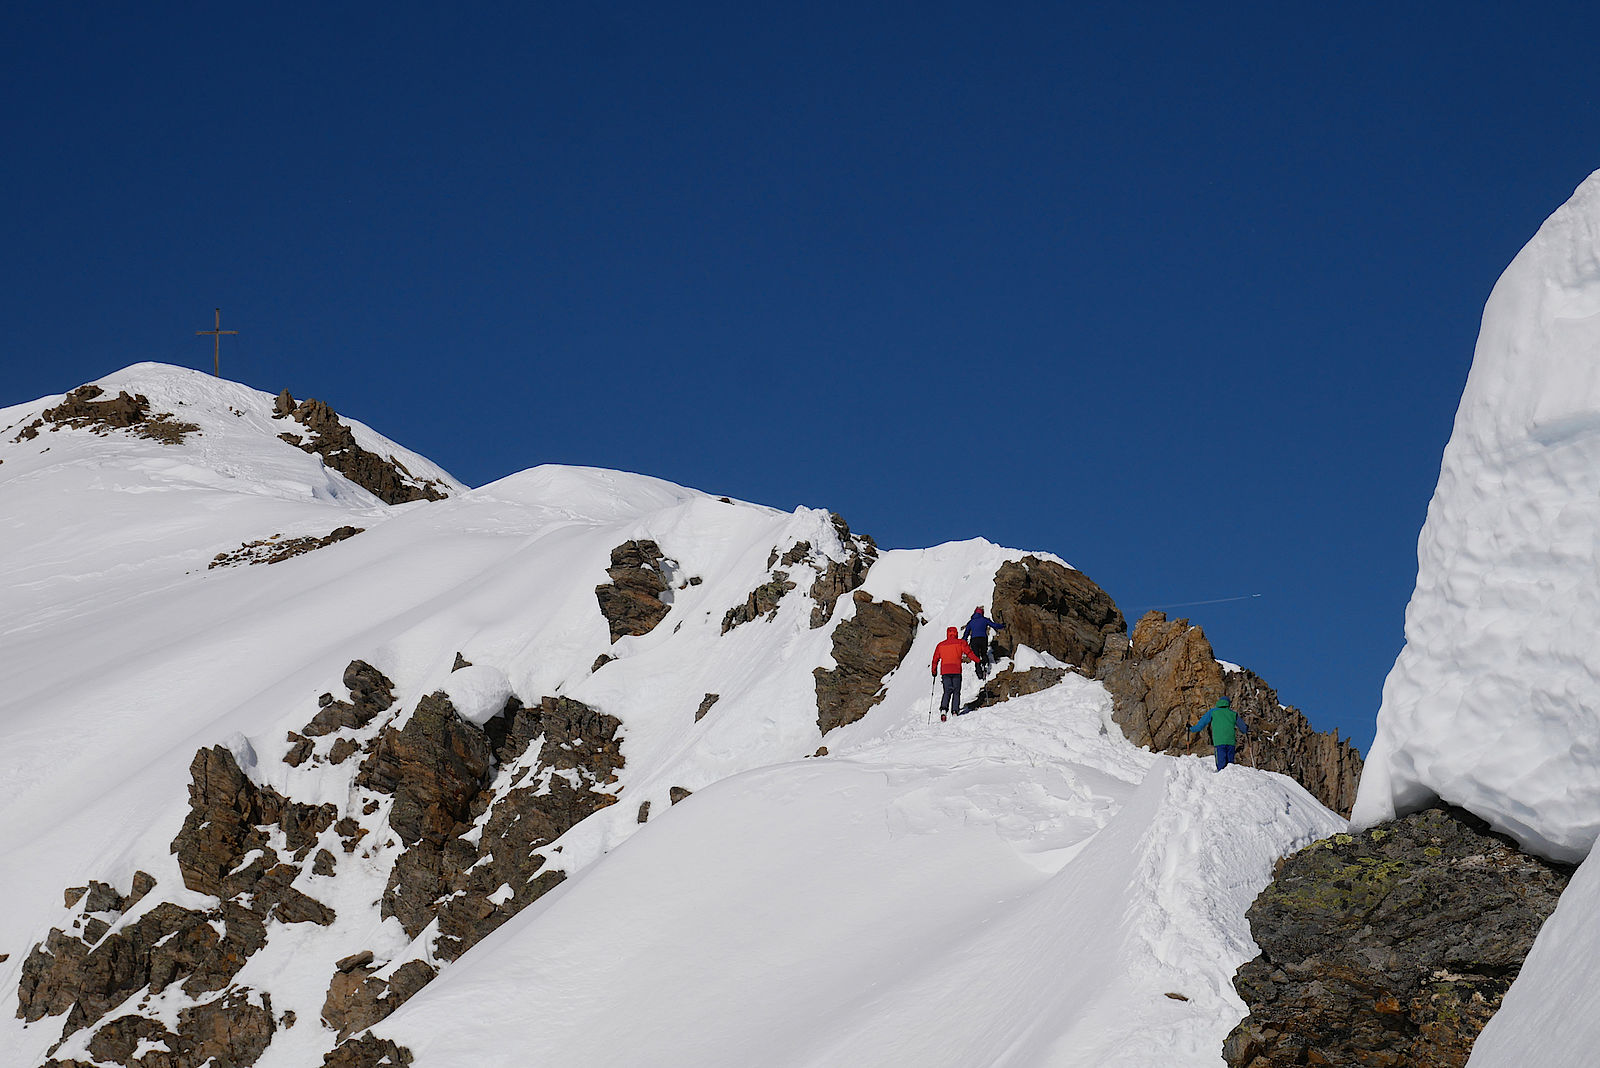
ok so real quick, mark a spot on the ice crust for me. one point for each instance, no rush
(1494, 702)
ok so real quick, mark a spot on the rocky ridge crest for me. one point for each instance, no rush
(386, 478)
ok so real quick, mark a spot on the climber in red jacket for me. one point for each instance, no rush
(947, 658)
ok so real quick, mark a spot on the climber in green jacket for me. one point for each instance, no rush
(1223, 719)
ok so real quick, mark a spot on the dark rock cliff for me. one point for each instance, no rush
(1056, 610)
(1390, 948)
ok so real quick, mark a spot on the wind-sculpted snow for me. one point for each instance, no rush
(1492, 704)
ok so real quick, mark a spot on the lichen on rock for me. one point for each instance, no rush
(1391, 947)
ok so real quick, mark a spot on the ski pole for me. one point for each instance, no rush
(932, 688)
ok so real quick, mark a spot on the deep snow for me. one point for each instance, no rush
(1492, 702)
(1015, 887)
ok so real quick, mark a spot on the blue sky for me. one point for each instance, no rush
(1186, 294)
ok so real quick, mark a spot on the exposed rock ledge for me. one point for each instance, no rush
(1168, 677)
(1391, 948)
(385, 477)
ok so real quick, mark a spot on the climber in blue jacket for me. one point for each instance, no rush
(976, 632)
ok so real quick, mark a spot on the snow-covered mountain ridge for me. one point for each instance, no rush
(432, 770)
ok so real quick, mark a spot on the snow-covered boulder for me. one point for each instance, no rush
(1494, 703)
(478, 692)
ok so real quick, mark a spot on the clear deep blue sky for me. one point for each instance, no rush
(1186, 294)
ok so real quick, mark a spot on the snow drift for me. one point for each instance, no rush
(1492, 704)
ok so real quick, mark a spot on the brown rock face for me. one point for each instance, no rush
(225, 850)
(81, 410)
(370, 694)
(231, 1029)
(1165, 682)
(761, 604)
(368, 1051)
(631, 601)
(1284, 741)
(835, 578)
(385, 478)
(434, 766)
(1390, 948)
(865, 648)
(357, 999)
(439, 775)
(1054, 610)
(1168, 678)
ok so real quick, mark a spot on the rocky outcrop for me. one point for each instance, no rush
(435, 767)
(1008, 684)
(835, 578)
(82, 411)
(1390, 948)
(1283, 740)
(1164, 681)
(1054, 609)
(1167, 677)
(761, 604)
(227, 849)
(438, 767)
(866, 648)
(631, 601)
(357, 998)
(367, 1051)
(277, 548)
(386, 478)
(233, 1029)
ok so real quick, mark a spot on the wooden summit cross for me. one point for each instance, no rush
(216, 334)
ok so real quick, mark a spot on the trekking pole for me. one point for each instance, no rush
(932, 689)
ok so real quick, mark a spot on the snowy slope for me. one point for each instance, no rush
(1492, 704)
(1016, 887)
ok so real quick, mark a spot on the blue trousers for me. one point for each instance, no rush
(951, 701)
(1224, 756)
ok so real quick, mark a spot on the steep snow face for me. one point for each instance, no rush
(1494, 703)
